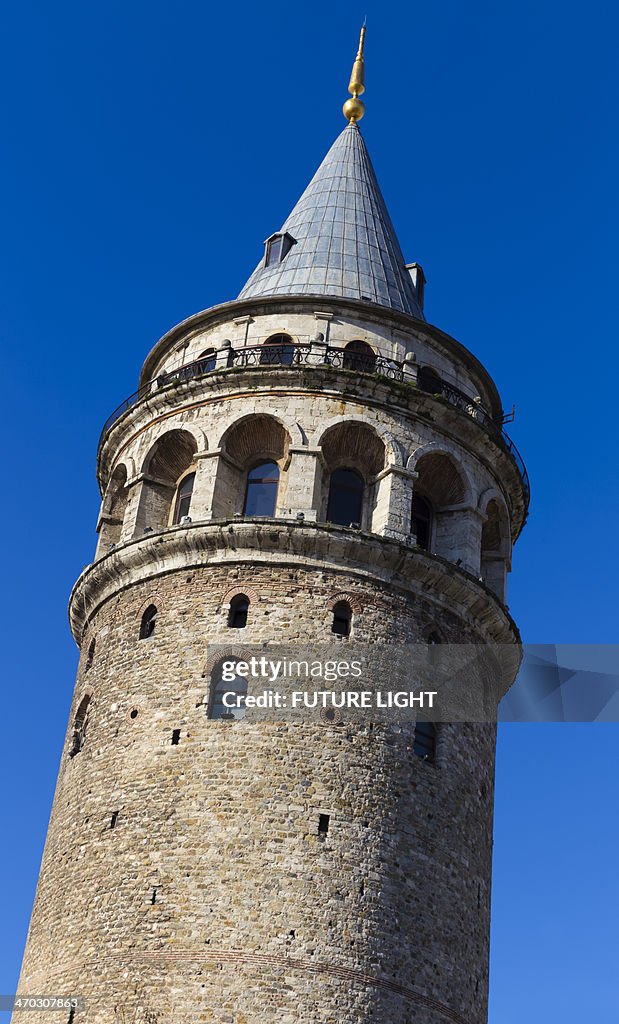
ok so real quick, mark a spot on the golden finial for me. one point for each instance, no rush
(354, 109)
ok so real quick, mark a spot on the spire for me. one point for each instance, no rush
(339, 239)
(354, 109)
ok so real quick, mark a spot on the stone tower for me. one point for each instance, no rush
(311, 460)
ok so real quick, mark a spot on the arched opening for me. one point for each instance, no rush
(165, 467)
(148, 622)
(345, 502)
(342, 619)
(279, 349)
(113, 511)
(438, 497)
(354, 455)
(421, 524)
(227, 690)
(80, 723)
(90, 657)
(207, 360)
(429, 380)
(239, 610)
(359, 356)
(251, 475)
(184, 492)
(261, 489)
(495, 548)
(424, 740)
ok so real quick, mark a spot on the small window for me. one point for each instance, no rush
(424, 741)
(261, 492)
(183, 497)
(233, 690)
(429, 380)
(278, 350)
(207, 361)
(277, 248)
(422, 521)
(345, 504)
(323, 824)
(148, 623)
(237, 616)
(80, 723)
(342, 619)
(359, 356)
(90, 657)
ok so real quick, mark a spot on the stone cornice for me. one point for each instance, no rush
(277, 541)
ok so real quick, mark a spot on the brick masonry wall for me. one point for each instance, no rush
(214, 898)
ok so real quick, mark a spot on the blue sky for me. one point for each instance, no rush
(148, 151)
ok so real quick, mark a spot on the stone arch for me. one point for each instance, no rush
(393, 449)
(113, 509)
(354, 449)
(167, 461)
(236, 591)
(495, 542)
(344, 595)
(441, 503)
(246, 443)
(453, 453)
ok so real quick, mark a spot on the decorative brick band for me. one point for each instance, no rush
(215, 958)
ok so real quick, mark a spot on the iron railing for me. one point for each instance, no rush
(321, 355)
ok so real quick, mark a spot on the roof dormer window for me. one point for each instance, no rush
(277, 248)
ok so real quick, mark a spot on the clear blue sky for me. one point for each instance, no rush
(149, 148)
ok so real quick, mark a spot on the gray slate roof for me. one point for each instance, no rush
(345, 241)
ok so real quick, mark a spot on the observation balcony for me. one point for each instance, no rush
(322, 356)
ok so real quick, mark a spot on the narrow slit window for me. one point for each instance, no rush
(90, 657)
(113, 819)
(422, 521)
(424, 741)
(148, 623)
(342, 619)
(239, 608)
(323, 824)
(80, 724)
(176, 737)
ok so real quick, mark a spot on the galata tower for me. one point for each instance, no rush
(312, 460)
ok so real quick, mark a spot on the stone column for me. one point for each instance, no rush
(302, 483)
(394, 496)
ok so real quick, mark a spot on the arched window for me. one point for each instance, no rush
(360, 356)
(261, 491)
(183, 497)
(148, 623)
(424, 740)
(207, 361)
(80, 723)
(278, 349)
(429, 380)
(237, 616)
(90, 657)
(342, 619)
(345, 504)
(422, 521)
(235, 686)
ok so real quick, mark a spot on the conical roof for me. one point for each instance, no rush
(345, 244)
